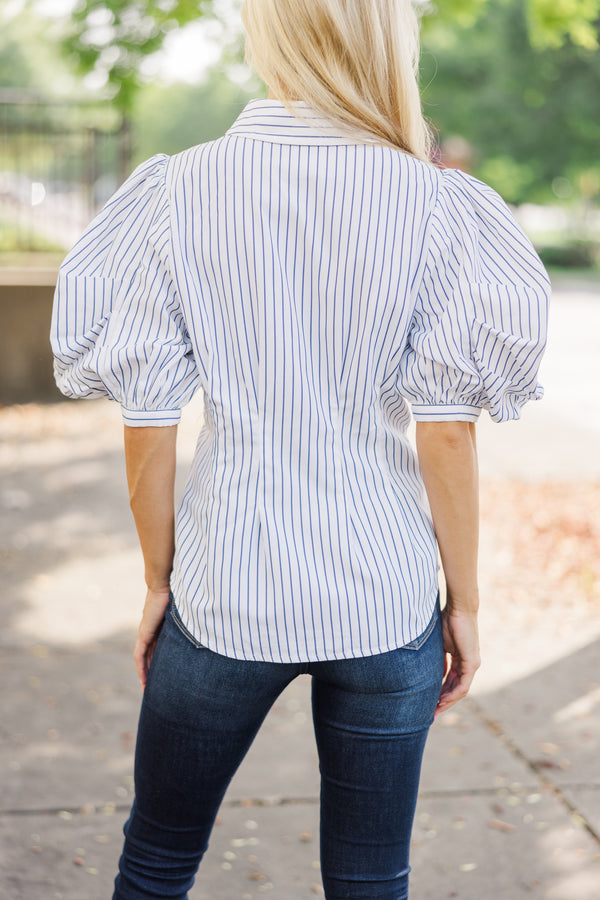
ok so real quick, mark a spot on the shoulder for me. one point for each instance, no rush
(148, 175)
(192, 156)
(448, 194)
(144, 188)
(138, 208)
(471, 199)
(468, 208)
(188, 170)
(473, 226)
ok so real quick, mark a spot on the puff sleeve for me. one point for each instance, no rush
(117, 326)
(479, 324)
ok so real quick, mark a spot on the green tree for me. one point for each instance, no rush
(15, 70)
(531, 115)
(167, 119)
(26, 55)
(112, 37)
(550, 22)
(516, 78)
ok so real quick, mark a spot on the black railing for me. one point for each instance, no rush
(59, 163)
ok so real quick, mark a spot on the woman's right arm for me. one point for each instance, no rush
(448, 458)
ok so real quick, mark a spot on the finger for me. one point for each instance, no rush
(140, 656)
(447, 665)
(141, 671)
(455, 688)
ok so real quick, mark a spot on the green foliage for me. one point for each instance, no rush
(26, 55)
(531, 116)
(112, 38)
(15, 70)
(510, 178)
(458, 12)
(170, 119)
(550, 22)
(17, 239)
(574, 254)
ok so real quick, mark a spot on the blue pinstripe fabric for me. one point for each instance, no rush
(316, 285)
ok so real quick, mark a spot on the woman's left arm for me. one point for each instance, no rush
(150, 460)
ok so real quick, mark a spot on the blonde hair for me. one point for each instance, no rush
(355, 61)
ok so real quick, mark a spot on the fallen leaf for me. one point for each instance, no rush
(127, 738)
(500, 825)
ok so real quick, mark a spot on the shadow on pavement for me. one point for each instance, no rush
(509, 806)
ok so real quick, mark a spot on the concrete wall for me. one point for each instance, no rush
(25, 354)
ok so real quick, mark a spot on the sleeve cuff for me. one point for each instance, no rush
(460, 412)
(140, 418)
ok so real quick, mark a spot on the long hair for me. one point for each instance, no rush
(355, 61)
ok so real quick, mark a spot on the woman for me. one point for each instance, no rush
(315, 275)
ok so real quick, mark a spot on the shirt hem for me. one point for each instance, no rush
(153, 417)
(458, 412)
(324, 655)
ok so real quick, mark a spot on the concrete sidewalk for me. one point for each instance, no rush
(510, 796)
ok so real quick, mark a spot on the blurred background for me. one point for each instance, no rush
(90, 88)
(510, 801)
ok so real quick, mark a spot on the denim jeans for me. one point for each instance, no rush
(199, 715)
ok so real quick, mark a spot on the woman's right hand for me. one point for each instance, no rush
(152, 621)
(461, 644)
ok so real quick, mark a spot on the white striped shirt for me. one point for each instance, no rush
(315, 284)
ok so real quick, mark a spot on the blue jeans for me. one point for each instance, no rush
(199, 715)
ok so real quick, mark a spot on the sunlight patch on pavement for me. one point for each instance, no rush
(84, 601)
(579, 708)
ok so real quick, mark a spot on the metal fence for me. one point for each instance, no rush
(58, 164)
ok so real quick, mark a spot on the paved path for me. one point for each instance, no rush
(559, 436)
(510, 801)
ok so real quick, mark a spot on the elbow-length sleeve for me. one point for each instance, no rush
(479, 324)
(117, 328)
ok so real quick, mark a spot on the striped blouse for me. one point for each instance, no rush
(317, 285)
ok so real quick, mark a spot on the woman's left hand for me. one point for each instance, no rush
(150, 626)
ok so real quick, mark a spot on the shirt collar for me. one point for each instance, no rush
(269, 120)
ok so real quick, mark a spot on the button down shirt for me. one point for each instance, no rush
(316, 285)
